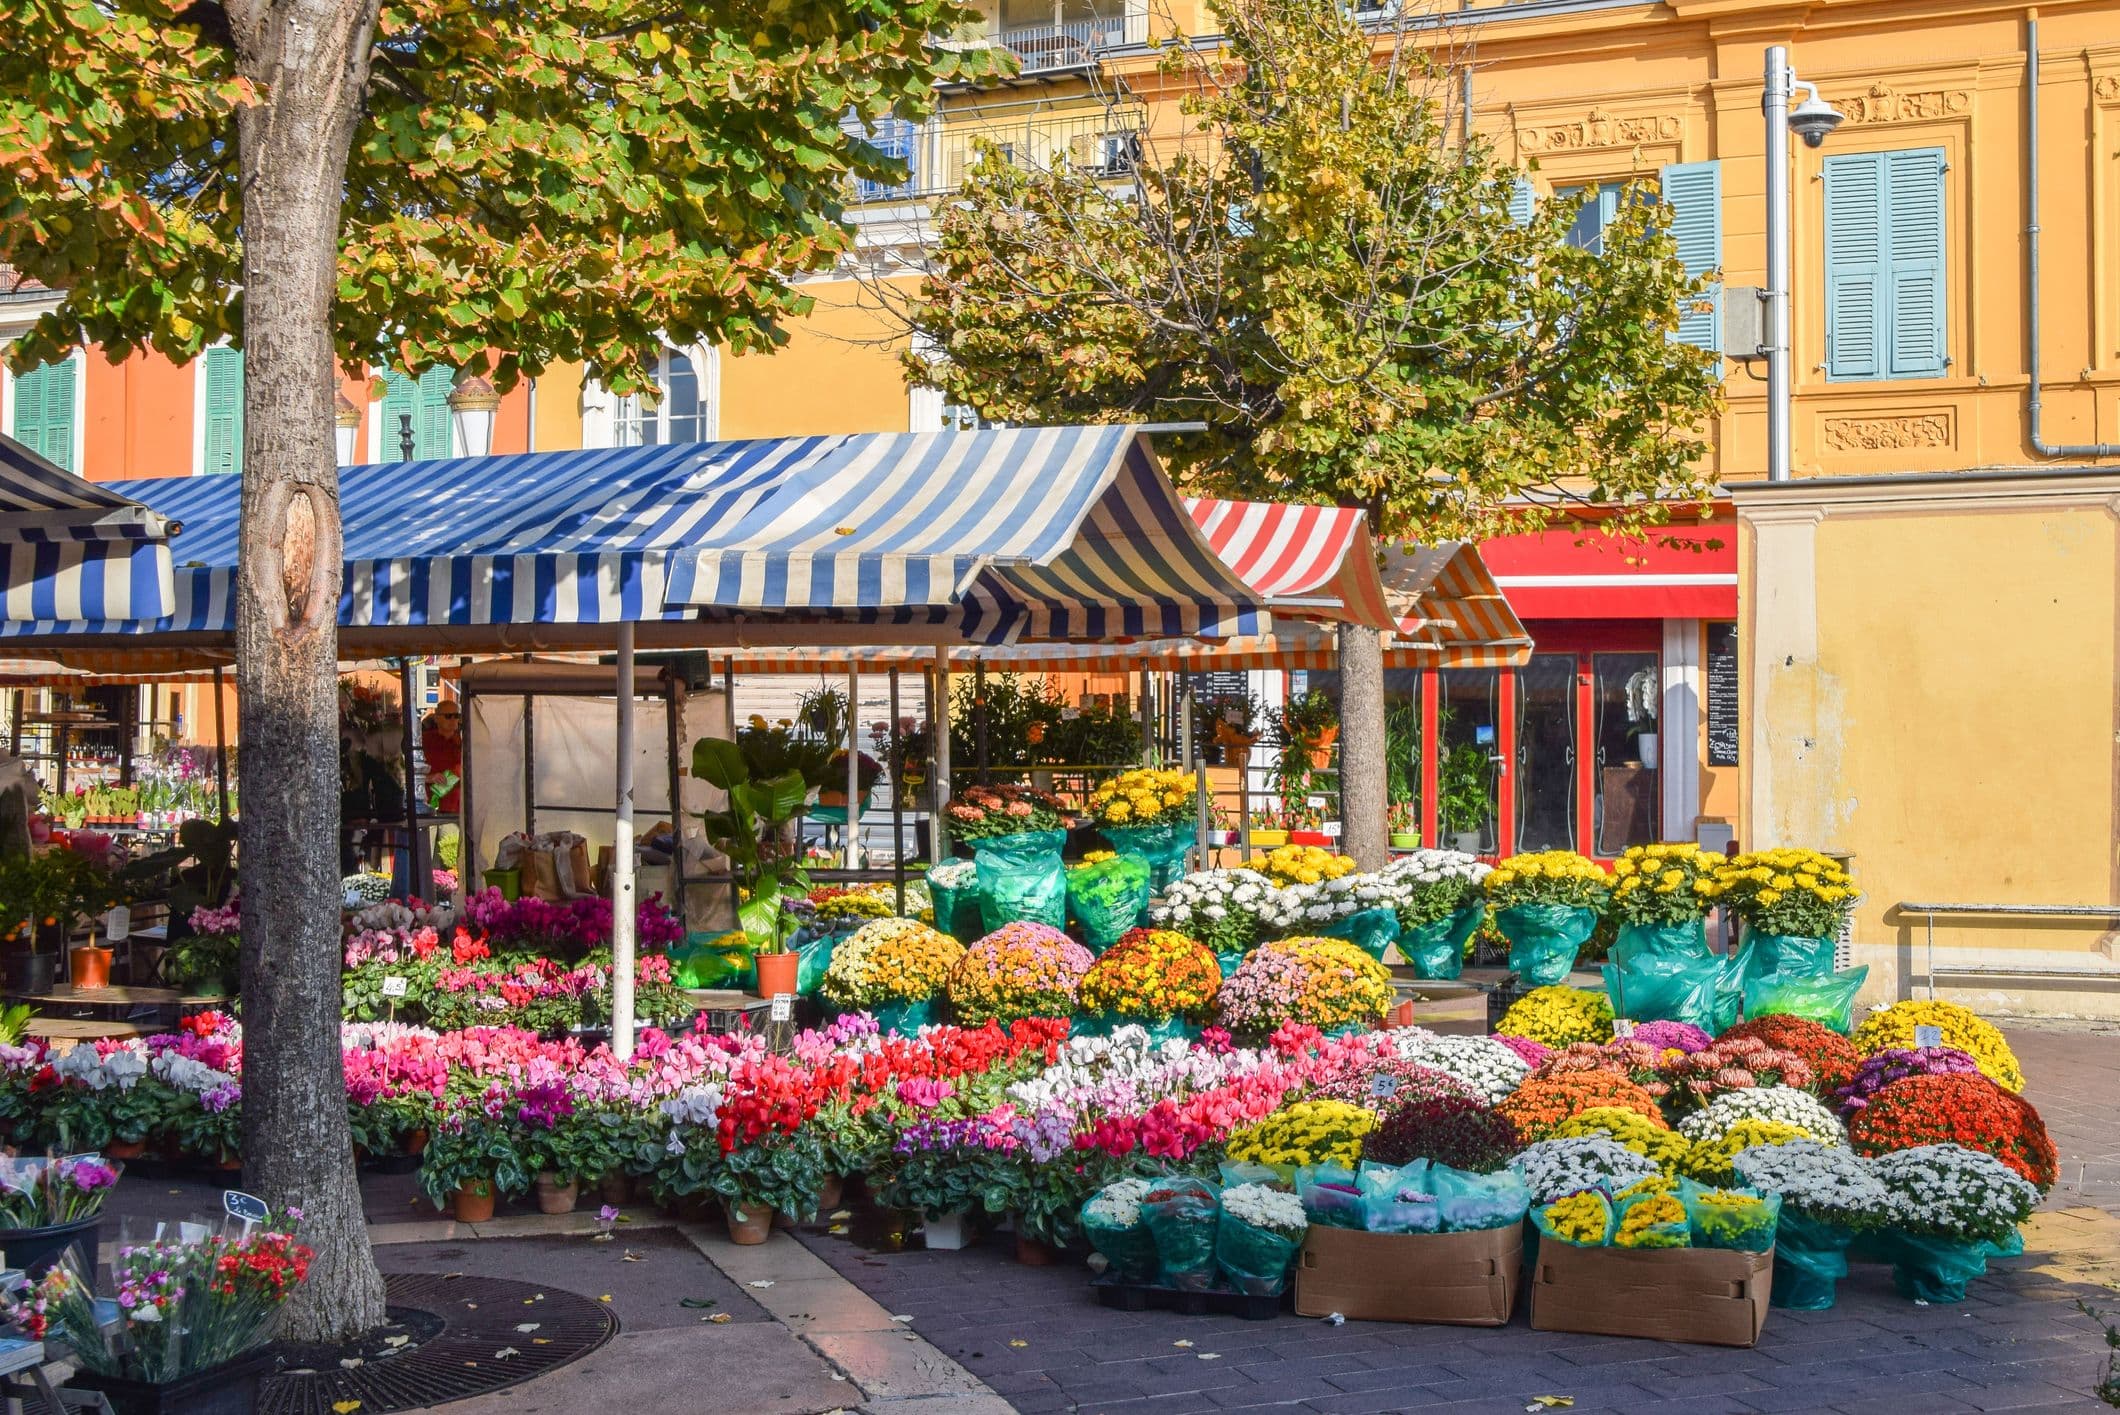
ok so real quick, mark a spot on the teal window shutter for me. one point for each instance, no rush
(1693, 191)
(223, 371)
(1914, 223)
(1884, 264)
(426, 400)
(1523, 199)
(44, 411)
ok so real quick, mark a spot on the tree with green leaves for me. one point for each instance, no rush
(1343, 288)
(406, 184)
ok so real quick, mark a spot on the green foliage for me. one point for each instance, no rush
(1095, 736)
(1402, 752)
(469, 1146)
(750, 832)
(1461, 788)
(1328, 279)
(576, 180)
(1021, 716)
(203, 958)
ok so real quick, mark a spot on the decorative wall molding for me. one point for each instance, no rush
(1888, 434)
(2107, 87)
(1881, 103)
(1599, 129)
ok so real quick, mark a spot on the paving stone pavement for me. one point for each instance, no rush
(1038, 1337)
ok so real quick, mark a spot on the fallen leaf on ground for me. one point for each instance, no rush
(837, 1228)
(528, 1326)
(762, 1284)
(1337, 1320)
(1181, 1343)
(345, 1407)
(505, 1352)
(721, 1318)
(1551, 1402)
(1019, 1341)
(606, 1297)
(698, 1302)
(350, 1363)
(836, 1213)
(395, 1340)
(540, 1341)
(629, 1256)
(1210, 1356)
(903, 1317)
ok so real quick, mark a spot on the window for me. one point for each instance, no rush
(1884, 264)
(1693, 191)
(684, 410)
(1599, 207)
(894, 137)
(221, 411)
(44, 411)
(425, 400)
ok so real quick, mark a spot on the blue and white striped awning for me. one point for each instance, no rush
(71, 550)
(987, 537)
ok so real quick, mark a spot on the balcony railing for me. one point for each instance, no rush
(1042, 49)
(1103, 140)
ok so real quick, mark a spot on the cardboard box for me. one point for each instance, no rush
(1462, 1279)
(1707, 1295)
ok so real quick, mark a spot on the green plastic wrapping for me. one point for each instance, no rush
(1229, 963)
(1021, 877)
(1676, 1233)
(1162, 847)
(1637, 942)
(1661, 988)
(1108, 898)
(707, 963)
(1129, 1253)
(1479, 1201)
(1371, 930)
(1331, 1195)
(1827, 999)
(2010, 1247)
(1231, 1173)
(1810, 1259)
(1182, 1214)
(1545, 1230)
(1401, 1200)
(904, 1018)
(1788, 955)
(956, 910)
(1254, 1260)
(1934, 1270)
(1544, 938)
(1437, 949)
(813, 954)
(1717, 1224)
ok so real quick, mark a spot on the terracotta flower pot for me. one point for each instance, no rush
(416, 1141)
(831, 1193)
(555, 1197)
(749, 1226)
(1033, 1253)
(91, 968)
(473, 1202)
(125, 1149)
(229, 1161)
(777, 973)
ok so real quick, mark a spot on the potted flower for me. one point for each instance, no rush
(40, 897)
(1220, 908)
(1546, 904)
(1269, 829)
(1327, 983)
(1234, 725)
(1149, 812)
(1661, 895)
(1403, 818)
(472, 1157)
(550, 1146)
(950, 1170)
(1019, 970)
(1953, 1208)
(1644, 693)
(1309, 725)
(766, 794)
(1464, 795)
(207, 961)
(892, 968)
(1016, 834)
(834, 792)
(1439, 902)
(1792, 904)
(1156, 978)
(1828, 1196)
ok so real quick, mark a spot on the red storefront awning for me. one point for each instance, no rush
(1675, 572)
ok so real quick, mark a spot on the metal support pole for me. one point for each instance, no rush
(979, 718)
(673, 691)
(622, 920)
(1200, 861)
(1185, 725)
(422, 879)
(220, 746)
(939, 729)
(853, 825)
(728, 695)
(897, 796)
(1775, 102)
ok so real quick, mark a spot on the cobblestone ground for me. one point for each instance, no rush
(1038, 1337)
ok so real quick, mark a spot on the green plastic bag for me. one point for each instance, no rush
(1664, 989)
(1159, 1029)
(1639, 942)
(1129, 1252)
(1021, 877)
(1716, 1223)
(1371, 930)
(1162, 847)
(1183, 1214)
(1401, 1200)
(1810, 1259)
(1331, 1195)
(705, 962)
(1437, 949)
(1229, 963)
(1230, 1173)
(2010, 1247)
(1108, 898)
(1254, 1260)
(956, 910)
(904, 1018)
(1788, 955)
(1543, 939)
(1934, 1270)
(1828, 1000)
(1480, 1201)
(812, 956)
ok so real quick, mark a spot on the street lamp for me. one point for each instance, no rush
(472, 406)
(1811, 120)
(346, 423)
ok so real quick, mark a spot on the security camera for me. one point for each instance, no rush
(1813, 118)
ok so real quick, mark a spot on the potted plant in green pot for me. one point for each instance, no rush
(950, 1171)
(1404, 820)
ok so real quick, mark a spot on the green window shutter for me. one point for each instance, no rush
(1523, 199)
(1693, 190)
(1914, 257)
(224, 411)
(44, 411)
(1857, 313)
(426, 400)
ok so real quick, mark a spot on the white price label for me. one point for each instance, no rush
(1383, 1084)
(393, 986)
(783, 1007)
(1622, 1028)
(1928, 1036)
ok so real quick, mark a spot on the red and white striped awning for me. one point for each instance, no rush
(1312, 561)
(1670, 572)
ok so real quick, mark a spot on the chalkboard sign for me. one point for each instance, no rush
(1722, 695)
(1222, 683)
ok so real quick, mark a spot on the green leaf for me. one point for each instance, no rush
(718, 763)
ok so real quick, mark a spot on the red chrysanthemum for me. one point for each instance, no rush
(1956, 1110)
(1832, 1057)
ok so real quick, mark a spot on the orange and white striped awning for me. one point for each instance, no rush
(1313, 561)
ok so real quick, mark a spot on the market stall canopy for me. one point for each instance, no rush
(990, 536)
(73, 552)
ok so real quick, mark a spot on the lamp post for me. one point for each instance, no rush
(346, 421)
(1811, 120)
(472, 406)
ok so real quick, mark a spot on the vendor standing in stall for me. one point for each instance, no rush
(442, 745)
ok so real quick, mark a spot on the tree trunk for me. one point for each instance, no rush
(309, 61)
(1362, 749)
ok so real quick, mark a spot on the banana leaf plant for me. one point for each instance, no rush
(750, 832)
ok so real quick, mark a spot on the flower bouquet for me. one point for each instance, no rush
(1792, 903)
(1303, 864)
(1970, 1111)
(1554, 1169)
(1317, 982)
(1257, 1237)
(1953, 1209)
(892, 968)
(1182, 1214)
(1016, 833)
(1439, 902)
(1019, 970)
(1559, 1016)
(1113, 1222)
(1155, 977)
(1107, 893)
(1546, 904)
(48, 1193)
(1828, 1195)
(1900, 1026)
(1660, 894)
(1220, 908)
(1149, 812)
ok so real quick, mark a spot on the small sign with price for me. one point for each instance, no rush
(394, 986)
(783, 1007)
(1928, 1036)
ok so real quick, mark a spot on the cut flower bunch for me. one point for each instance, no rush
(1793, 893)
(1145, 796)
(1664, 884)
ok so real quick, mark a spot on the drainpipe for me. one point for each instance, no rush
(2040, 445)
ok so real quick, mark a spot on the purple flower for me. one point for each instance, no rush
(1898, 1063)
(1666, 1036)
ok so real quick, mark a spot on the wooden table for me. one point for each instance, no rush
(67, 995)
(80, 1029)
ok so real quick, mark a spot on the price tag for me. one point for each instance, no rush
(1383, 1084)
(1928, 1036)
(783, 1007)
(248, 1208)
(393, 986)
(1622, 1028)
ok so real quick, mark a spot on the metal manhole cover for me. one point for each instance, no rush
(480, 1348)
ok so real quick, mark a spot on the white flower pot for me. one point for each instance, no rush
(1646, 743)
(946, 1231)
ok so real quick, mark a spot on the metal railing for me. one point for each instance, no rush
(1105, 140)
(1931, 912)
(1041, 49)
